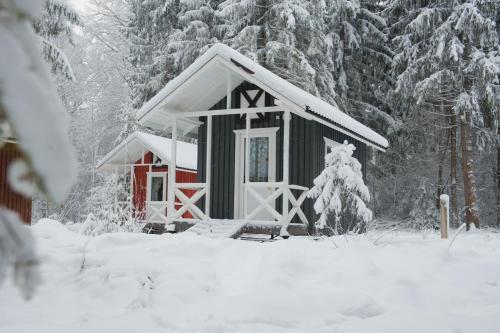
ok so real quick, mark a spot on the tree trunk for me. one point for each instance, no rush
(261, 20)
(471, 213)
(498, 186)
(442, 153)
(439, 181)
(454, 217)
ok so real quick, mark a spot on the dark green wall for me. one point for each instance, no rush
(306, 153)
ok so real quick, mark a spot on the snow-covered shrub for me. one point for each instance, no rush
(109, 208)
(341, 193)
(425, 214)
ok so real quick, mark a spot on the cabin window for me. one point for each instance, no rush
(157, 186)
(157, 189)
(259, 159)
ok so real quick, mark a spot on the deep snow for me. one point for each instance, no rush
(187, 283)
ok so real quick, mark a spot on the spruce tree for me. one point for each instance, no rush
(445, 62)
(340, 192)
(56, 23)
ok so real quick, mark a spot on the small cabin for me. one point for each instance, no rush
(10, 199)
(142, 162)
(261, 142)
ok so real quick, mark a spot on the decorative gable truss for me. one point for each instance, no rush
(253, 98)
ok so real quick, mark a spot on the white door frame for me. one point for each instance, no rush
(269, 132)
(150, 175)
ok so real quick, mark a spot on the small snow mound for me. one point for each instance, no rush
(47, 228)
(364, 311)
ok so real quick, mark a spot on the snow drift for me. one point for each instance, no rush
(186, 283)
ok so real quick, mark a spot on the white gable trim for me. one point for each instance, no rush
(143, 140)
(329, 143)
(297, 102)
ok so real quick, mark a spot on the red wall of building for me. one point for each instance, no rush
(8, 198)
(141, 183)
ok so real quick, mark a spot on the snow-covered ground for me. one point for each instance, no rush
(186, 283)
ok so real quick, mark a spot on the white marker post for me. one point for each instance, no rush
(444, 215)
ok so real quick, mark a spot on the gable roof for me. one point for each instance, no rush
(135, 145)
(206, 79)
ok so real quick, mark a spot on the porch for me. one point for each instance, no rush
(260, 203)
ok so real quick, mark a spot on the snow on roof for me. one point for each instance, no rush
(263, 77)
(135, 145)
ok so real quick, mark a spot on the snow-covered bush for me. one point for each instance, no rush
(109, 208)
(425, 214)
(341, 193)
(31, 108)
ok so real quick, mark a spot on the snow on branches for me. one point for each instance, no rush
(17, 247)
(341, 192)
(31, 108)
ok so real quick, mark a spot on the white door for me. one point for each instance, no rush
(262, 169)
(156, 197)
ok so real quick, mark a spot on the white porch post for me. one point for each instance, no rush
(172, 172)
(116, 189)
(228, 90)
(247, 163)
(132, 179)
(208, 166)
(286, 172)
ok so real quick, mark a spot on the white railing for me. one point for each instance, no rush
(266, 202)
(188, 204)
(296, 202)
(156, 210)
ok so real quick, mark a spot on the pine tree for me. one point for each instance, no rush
(166, 36)
(358, 35)
(56, 23)
(341, 193)
(445, 55)
(283, 36)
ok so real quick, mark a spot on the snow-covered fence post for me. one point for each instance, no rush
(444, 214)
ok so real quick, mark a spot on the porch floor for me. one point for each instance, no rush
(218, 228)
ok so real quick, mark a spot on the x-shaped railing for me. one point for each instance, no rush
(156, 211)
(188, 204)
(296, 202)
(265, 202)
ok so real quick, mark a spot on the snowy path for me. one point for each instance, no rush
(186, 283)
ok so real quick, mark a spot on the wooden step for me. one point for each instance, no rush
(218, 228)
(154, 228)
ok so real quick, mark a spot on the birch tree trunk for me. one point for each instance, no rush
(470, 196)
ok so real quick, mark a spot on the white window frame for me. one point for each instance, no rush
(162, 174)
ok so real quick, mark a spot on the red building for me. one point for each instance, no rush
(10, 199)
(142, 161)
